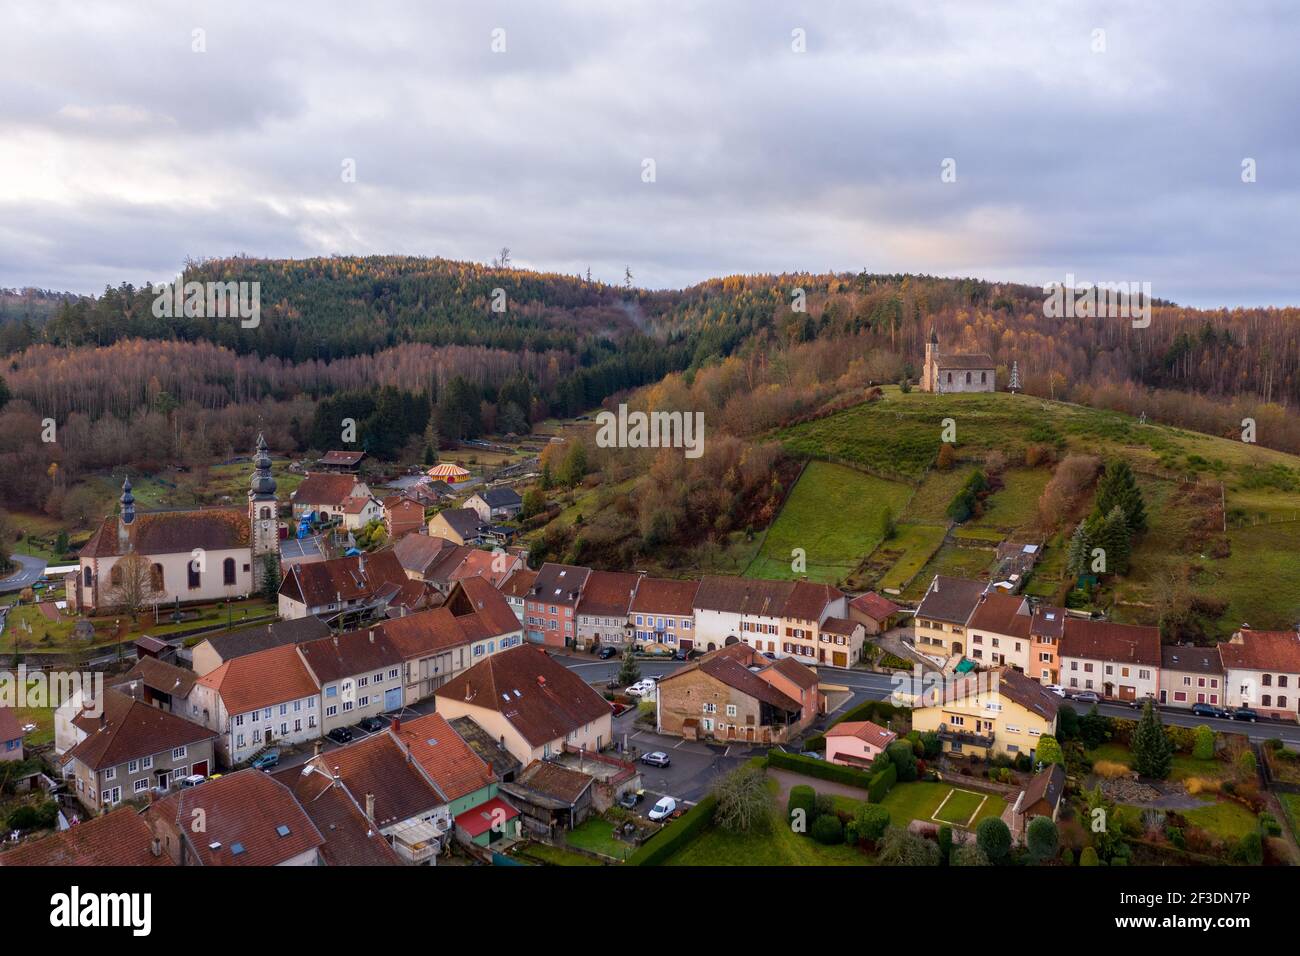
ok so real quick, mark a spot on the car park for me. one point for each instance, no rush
(656, 759)
(666, 807)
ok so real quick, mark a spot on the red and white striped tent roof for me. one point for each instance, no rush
(448, 472)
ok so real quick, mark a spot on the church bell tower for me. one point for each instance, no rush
(263, 510)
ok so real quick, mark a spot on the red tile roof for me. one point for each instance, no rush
(342, 457)
(541, 699)
(519, 583)
(802, 675)
(121, 837)
(840, 625)
(130, 729)
(347, 655)
(1002, 614)
(350, 839)
(874, 606)
(1276, 651)
(381, 766)
(807, 601)
(272, 676)
(172, 532)
(250, 818)
(338, 580)
(865, 730)
(479, 820)
(665, 596)
(483, 564)
(608, 593)
(1107, 641)
(320, 488)
(9, 726)
(444, 756)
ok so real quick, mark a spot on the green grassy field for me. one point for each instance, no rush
(1014, 507)
(895, 562)
(597, 835)
(921, 801)
(1223, 818)
(834, 514)
(955, 561)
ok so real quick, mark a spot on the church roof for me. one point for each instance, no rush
(978, 361)
(171, 532)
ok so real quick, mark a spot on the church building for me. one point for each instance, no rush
(207, 554)
(956, 371)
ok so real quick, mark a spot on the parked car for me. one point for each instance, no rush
(1087, 697)
(656, 759)
(815, 755)
(1056, 689)
(370, 724)
(642, 688)
(1244, 713)
(679, 655)
(193, 780)
(1208, 710)
(606, 652)
(266, 760)
(340, 735)
(629, 799)
(666, 807)
(1139, 702)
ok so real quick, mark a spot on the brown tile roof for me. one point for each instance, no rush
(482, 564)
(1048, 621)
(1002, 614)
(342, 458)
(251, 820)
(608, 593)
(976, 361)
(380, 765)
(743, 595)
(541, 699)
(355, 505)
(481, 609)
(519, 583)
(424, 633)
(172, 532)
(1187, 657)
(1107, 641)
(558, 583)
(272, 676)
(552, 781)
(10, 729)
(358, 578)
(250, 640)
(448, 760)
(338, 656)
(479, 614)
(665, 596)
(161, 676)
(418, 552)
(950, 600)
(802, 675)
(320, 488)
(1277, 651)
(350, 839)
(872, 733)
(1006, 682)
(1048, 784)
(807, 600)
(121, 837)
(730, 666)
(130, 729)
(874, 606)
(840, 625)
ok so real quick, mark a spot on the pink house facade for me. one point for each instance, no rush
(857, 743)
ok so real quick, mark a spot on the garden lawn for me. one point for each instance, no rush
(544, 853)
(597, 835)
(960, 806)
(952, 560)
(1184, 766)
(1223, 818)
(921, 799)
(914, 545)
(834, 514)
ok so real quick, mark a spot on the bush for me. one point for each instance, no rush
(1110, 769)
(994, 838)
(28, 816)
(1246, 763)
(1250, 850)
(802, 798)
(882, 783)
(945, 843)
(1067, 856)
(827, 830)
(1203, 747)
(676, 835)
(969, 854)
(1269, 825)
(1088, 857)
(824, 805)
(901, 848)
(871, 821)
(1042, 838)
(904, 760)
(821, 769)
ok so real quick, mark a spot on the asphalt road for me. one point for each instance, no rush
(28, 574)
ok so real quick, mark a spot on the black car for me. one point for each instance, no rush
(629, 799)
(371, 724)
(1244, 713)
(1140, 702)
(340, 735)
(606, 653)
(1208, 710)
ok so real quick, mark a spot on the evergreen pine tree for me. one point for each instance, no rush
(1076, 562)
(1115, 539)
(1152, 751)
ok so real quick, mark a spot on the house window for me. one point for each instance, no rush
(141, 784)
(157, 574)
(85, 575)
(228, 571)
(147, 763)
(110, 773)
(193, 576)
(178, 753)
(731, 710)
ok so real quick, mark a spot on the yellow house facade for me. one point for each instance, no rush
(1000, 711)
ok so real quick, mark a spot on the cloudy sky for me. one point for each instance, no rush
(1103, 140)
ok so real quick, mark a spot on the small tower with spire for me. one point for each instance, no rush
(1014, 385)
(263, 510)
(930, 374)
(126, 516)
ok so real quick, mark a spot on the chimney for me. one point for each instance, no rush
(370, 807)
(155, 846)
(541, 680)
(396, 726)
(336, 641)
(372, 635)
(317, 748)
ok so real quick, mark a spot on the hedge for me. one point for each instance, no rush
(882, 783)
(676, 835)
(821, 769)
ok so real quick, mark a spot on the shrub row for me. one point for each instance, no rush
(676, 835)
(812, 767)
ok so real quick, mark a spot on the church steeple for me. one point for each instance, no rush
(128, 502)
(262, 486)
(263, 512)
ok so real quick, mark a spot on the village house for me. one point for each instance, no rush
(840, 641)
(492, 566)
(1262, 671)
(1118, 661)
(552, 603)
(1046, 626)
(258, 700)
(495, 504)
(1042, 798)
(1191, 675)
(551, 798)
(731, 609)
(360, 510)
(806, 607)
(516, 587)
(359, 675)
(533, 706)
(1000, 711)
(211, 652)
(737, 694)
(940, 621)
(351, 839)
(119, 838)
(402, 516)
(131, 749)
(159, 684)
(345, 462)
(249, 819)
(662, 613)
(947, 372)
(350, 589)
(877, 614)
(11, 735)
(421, 556)
(460, 526)
(998, 631)
(439, 644)
(856, 743)
(325, 494)
(603, 609)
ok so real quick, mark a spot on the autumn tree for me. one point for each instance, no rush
(131, 581)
